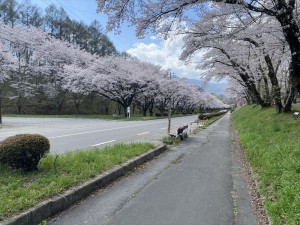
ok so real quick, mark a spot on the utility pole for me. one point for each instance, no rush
(170, 110)
(0, 107)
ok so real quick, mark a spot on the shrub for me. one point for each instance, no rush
(163, 114)
(24, 151)
(203, 116)
(211, 114)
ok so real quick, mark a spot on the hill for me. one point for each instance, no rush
(211, 87)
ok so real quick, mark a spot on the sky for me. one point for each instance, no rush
(151, 48)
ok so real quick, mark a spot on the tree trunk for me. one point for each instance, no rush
(277, 99)
(125, 110)
(59, 105)
(133, 108)
(106, 106)
(19, 105)
(272, 75)
(59, 108)
(76, 104)
(248, 80)
(295, 98)
(254, 93)
(144, 108)
(291, 31)
(248, 98)
(289, 99)
(151, 107)
(119, 107)
(106, 109)
(276, 91)
(267, 90)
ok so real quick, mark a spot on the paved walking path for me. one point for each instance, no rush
(192, 184)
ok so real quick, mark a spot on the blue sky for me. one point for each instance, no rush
(85, 10)
(152, 49)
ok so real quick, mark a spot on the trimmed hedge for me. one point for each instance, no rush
(24, 151)
(211, 114)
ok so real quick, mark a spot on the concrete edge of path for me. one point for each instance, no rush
(57, 204)
(244, 211)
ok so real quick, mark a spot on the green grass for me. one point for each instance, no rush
(168, 139)
(272, 145)
(20, 190)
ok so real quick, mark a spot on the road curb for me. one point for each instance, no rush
(57, 204)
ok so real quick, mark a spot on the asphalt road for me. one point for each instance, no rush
(190, 185)
(73, 134)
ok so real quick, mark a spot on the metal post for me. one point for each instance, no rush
(0, 107)
(169, 118)
(128, 112)
(169, 111)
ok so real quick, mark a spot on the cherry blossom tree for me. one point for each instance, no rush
(3, 75)
(161, 15)
(146, 99)
(222, 60)
(120, 80)
(21, 44)
(53, 56)
(33, 62)
(255, 51)
(75, 77)
(237, 91)
(168, 90)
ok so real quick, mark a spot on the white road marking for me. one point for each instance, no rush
(96, 131)
(103, 143)
(143, 133)
(163, 128)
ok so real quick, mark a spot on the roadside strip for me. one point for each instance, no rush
(55, 205)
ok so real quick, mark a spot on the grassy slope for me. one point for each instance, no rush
(20, 190)
(272, 144)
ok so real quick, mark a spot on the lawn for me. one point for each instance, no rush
(22, 190)
(272, 145)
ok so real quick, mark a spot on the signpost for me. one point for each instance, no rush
(128, 112)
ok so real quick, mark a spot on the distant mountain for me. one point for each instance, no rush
(211, 87)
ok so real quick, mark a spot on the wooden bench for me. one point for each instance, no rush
(181, 132)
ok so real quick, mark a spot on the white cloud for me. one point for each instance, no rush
(153, 38)
(167, 55)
